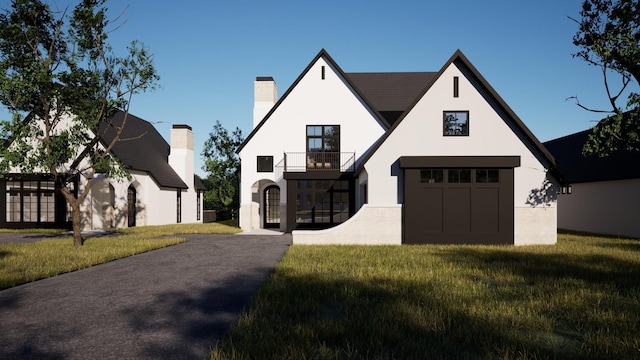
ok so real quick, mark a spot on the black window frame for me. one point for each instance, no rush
(447, 129)
(325, 138)
(264, 163)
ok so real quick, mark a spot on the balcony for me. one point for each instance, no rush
(319, 161)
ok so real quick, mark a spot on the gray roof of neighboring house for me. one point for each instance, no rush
(142, 148)
(391, 93)
(577, 168)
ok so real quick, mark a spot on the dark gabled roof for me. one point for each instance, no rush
(198, 184)
(322, 54)
(460, 60)
(577, 168)
(391, 94)
(141, 148)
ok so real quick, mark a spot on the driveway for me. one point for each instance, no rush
(171, 303)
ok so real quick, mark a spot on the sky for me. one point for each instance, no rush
(209, 52)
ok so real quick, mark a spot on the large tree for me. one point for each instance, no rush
(223, 165)
(62, 82)
(609, 38)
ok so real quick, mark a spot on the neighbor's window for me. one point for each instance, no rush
(265, 163)
(456, 123)
(431, 176)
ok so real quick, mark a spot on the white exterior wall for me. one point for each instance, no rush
(605, 207)
(181, 159)
(420, 134)
(313, 101)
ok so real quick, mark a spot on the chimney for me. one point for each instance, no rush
(265, 96)
(181, 155)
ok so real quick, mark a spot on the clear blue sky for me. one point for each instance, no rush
(209, 52)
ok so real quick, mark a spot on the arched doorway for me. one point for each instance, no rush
(271, 207)
(131, 206)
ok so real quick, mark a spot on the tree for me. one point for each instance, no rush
(609, 38)
(62, 82)
(223, 165)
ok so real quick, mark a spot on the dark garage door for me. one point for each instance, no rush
(458, 205)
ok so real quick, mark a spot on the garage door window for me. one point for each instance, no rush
(487, 176)
(459, 176)
(431, 176)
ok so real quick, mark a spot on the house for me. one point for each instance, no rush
(162, 190)
(602, 192)
(394, 158)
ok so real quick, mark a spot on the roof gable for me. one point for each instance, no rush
(458, 59)
(141, 148)
(324, 55)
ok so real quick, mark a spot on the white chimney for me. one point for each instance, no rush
(265, 96)
(181, 155)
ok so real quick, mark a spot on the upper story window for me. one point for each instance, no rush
(265, 163)
(323, 138)
(456, 123)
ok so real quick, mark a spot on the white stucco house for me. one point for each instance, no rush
(394, 158)
(602, 193)
(163, 188)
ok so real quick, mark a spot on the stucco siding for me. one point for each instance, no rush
(535, 226)
(313, 101)
(606, 207)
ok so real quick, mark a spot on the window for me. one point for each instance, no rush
(456, 123)
(323, 138)
(487, 176)
(431, 176)
(265, 163)
(198, 202)
(323, 146)
(322, 201)
(459, 176)
(179, 206)
(30, 201)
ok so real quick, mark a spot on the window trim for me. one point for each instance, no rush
(444, 126)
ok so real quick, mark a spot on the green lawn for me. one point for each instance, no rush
(26, 262)
(579, 299)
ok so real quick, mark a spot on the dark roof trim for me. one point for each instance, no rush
(412, 162)
(458, 56)
(322, 54)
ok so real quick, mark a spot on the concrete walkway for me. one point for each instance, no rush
(171, 303)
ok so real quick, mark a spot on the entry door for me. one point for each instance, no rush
(131, 206)
(272, 207)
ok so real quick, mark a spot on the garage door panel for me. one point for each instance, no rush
(456, 210)
(485, 217)
(431, 210)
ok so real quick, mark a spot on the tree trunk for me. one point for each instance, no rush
(77, 231)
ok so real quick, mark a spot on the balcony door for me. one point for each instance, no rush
(323, 146)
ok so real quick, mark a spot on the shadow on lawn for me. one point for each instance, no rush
(334, 316)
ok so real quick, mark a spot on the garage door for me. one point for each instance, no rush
(464, 203)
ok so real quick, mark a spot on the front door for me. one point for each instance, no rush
(272, 207)
(131, 206)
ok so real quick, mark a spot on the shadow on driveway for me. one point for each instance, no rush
(171, 303)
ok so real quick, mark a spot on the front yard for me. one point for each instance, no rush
(579, 299)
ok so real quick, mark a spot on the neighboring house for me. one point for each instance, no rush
(603, 193)
(162, 190)
(394, 158)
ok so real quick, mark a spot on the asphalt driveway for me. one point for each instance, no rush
(171, 303)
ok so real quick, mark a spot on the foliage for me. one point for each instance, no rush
(62, 83)
(609, 38)
(223, 165)
(578, 299)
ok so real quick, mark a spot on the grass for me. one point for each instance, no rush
(27, 262)
(579, 299)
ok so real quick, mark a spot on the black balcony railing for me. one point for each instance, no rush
(319, 161)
